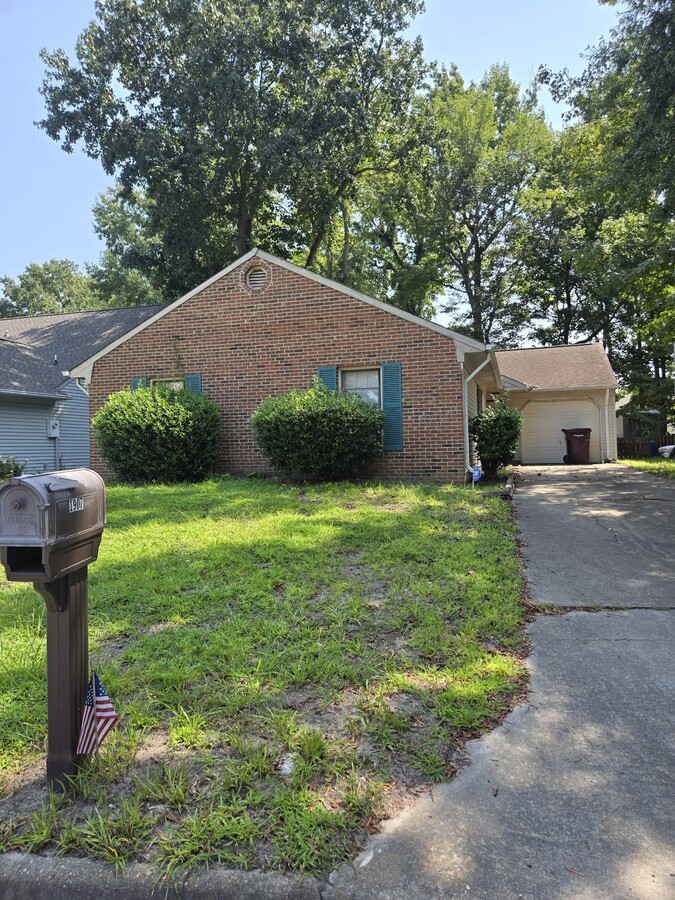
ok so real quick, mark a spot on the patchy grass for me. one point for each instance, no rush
(291, 665)
(657, 465)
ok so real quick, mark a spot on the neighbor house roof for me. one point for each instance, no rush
(573, 366)
(464, 345)
(36, 351)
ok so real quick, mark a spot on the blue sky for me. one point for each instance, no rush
(47, 195)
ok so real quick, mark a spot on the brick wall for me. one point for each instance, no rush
(248, 345)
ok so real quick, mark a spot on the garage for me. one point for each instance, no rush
(542, 440)
(570, 386)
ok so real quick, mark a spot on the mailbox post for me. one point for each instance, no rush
(50, 530)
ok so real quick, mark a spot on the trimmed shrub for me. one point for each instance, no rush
(158, 435)
(10, 467)
(319, 433)
(496, 432)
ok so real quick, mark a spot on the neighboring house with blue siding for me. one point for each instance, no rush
(44, 413)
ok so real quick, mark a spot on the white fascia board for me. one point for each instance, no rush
(512, 384)
(558, 390)
(84, 369)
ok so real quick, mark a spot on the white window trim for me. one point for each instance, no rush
(377, 369)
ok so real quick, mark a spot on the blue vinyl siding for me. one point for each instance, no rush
(23, 430)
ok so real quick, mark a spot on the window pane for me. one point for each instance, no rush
(364, 382)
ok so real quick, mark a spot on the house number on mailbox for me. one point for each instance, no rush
(76, 504)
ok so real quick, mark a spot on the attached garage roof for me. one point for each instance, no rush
(571, 366)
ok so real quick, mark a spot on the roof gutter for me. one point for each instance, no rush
(36, 394)
(465, 407)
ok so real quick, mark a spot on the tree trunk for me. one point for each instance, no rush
(345, 244)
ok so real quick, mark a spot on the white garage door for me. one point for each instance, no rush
(541, 439)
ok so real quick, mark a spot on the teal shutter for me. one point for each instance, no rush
(328, 377)
(392, 404)
(193, 383)
(136, 383)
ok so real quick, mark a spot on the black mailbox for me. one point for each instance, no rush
(50, 530)
(50, 524)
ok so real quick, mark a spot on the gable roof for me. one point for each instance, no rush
(570, 366)
(463, 344)
(35, 351)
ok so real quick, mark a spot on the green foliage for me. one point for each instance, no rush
(489, 145)
(10, 467)
(496, 431)
(242, 123)
(130, 271)
(53, 287)
(327, 434)
(155, 435)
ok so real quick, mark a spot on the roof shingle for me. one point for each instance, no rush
(558, 368)
(36, 350)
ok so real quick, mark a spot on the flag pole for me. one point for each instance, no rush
(93, 690)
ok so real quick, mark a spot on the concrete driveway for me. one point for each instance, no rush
(572, 797)
(598, 536)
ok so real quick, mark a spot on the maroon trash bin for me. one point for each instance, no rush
(578, 445)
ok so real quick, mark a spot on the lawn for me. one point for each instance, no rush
(657, 465)
(292, 665)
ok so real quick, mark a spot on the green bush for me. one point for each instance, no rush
(158, 435)
(319, 433)
(496, 432)
(10, 467)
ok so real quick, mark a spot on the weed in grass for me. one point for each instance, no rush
(283, 724)
(42, 827)
(115, 838)
(310, 744)
(429, 759)
(188, 730)
(112, 762)
(306, 836)
(218, 833)
(360, 797)
(168, 784)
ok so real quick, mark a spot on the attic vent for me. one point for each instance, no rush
(256, 278)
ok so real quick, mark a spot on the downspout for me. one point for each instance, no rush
(607, 424)
(465, 407)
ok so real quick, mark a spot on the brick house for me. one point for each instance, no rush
(264, 326)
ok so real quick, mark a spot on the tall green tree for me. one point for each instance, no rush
(489, 145)
(241, 122)
(628, 90)
(626, 98)
(43, 289)
(131, 270)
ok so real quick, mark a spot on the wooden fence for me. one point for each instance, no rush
(628, 447)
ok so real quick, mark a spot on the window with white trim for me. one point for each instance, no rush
(168, 384)
(364, 382)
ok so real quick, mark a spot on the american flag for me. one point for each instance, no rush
(97, 719)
